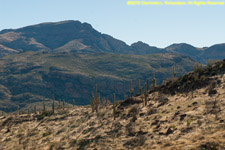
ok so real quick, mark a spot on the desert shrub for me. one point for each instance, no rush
(210, 62)
(152, 111)
(174, 127)
(63, 112)
(61, 131)
(128, 102)
(44, 114)
(130, 130)
(133, 111)
(32, 133)
(56, 146)
(87, 130)
(134, 142)
(84, 142)
(48, 132)
(197, 67)
(73, 142)
(162, 99)
(188, 123)
(209, 146)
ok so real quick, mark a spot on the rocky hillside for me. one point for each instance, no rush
(30, 77)
(191, 119)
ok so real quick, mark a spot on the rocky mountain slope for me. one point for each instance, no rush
(30, 77)
(188, 119)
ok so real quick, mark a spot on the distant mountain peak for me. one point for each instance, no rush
(179, 45)
(139, 43)
(145, 48)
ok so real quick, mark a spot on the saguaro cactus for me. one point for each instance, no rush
(146, 93)
(139, 87)
(96, 98)
(99, 100)
(147, 84)
(43, 106)
(35, 109)
(63, 104)
(73, 102)
(114, 106)
(18, 109)
(59, 104)
(53, 104)
(153, 81)
(174, 73)
(131, 89)
(93, 102)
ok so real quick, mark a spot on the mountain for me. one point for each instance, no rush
(143, 48)
(30, 77)
(68, 58)
(202, 55)
(183, 48)
(76, 37)
(216, 52)
(65, 36)
(191, 119)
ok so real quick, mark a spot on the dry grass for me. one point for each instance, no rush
(182, 123)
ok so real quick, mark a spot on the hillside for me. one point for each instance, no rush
(191, 119)
(31, 77)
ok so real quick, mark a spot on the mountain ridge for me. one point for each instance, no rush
(77, 37)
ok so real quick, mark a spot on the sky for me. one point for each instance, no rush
(159, 26)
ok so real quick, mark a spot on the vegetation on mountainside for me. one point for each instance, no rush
(33, 76)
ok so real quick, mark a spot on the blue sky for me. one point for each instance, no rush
(156, 25)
